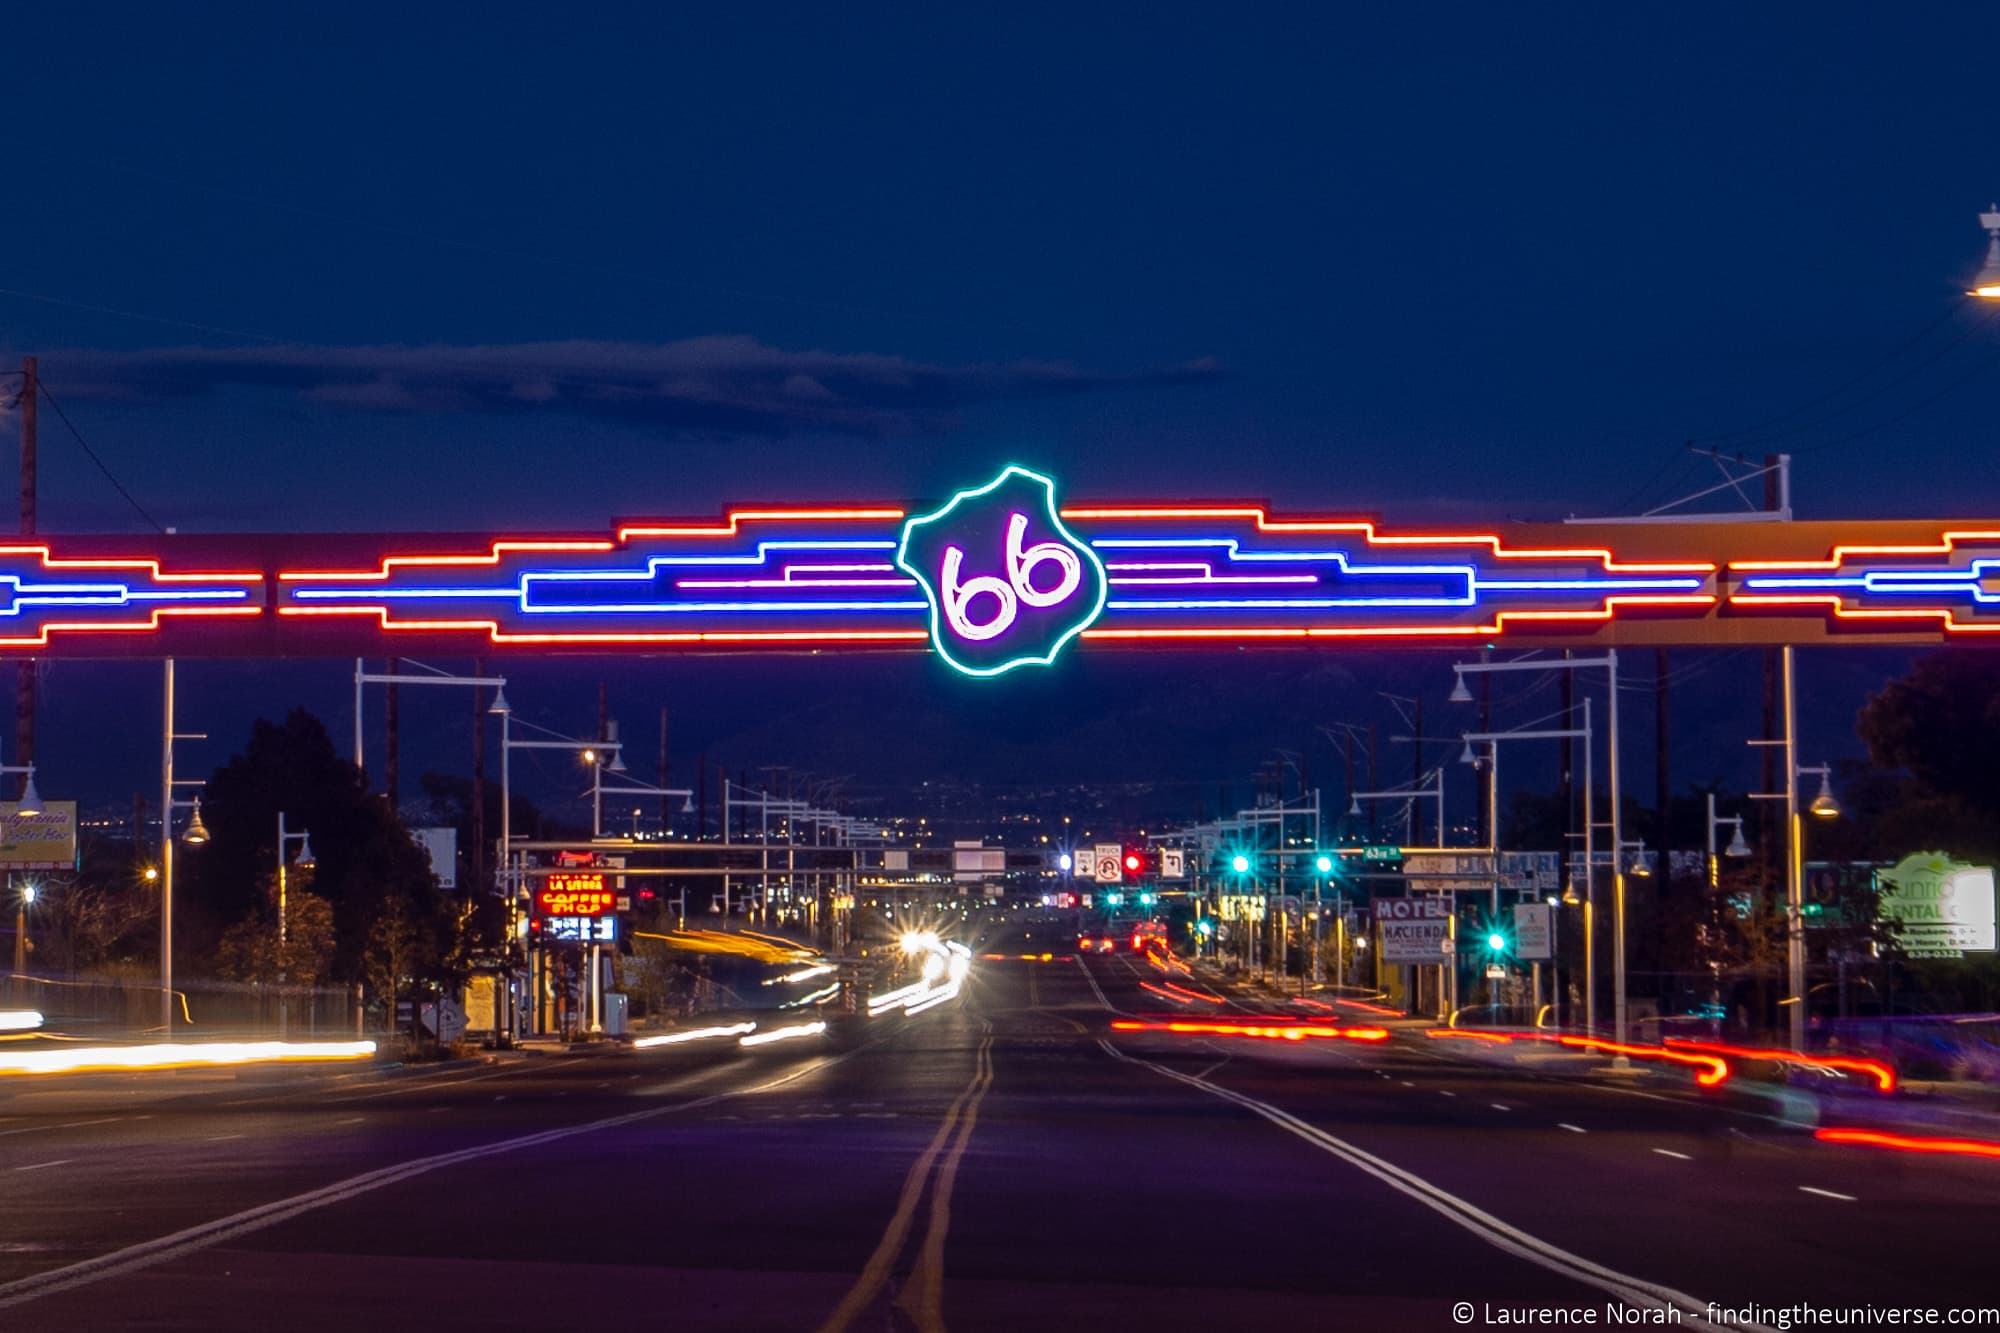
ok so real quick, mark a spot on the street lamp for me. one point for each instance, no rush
(30, 803)
(1987, 285)
(1823, 805)
(306, 862)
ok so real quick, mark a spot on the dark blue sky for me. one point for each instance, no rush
(405, 267)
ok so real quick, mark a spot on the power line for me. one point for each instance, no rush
(1949, 312)
(1870, 397)
(116, 484)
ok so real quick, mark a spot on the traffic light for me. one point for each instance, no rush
(1240, 864)
(1136, 862)
(1323, 863)
(1113, 899)
(1145, 900)
(1496, 942)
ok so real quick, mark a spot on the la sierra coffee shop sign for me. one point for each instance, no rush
(1940, 908)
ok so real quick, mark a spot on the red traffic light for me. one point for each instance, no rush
(1133, 861)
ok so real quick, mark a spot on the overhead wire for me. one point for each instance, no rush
(94, 457)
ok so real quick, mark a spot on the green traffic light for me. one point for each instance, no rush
(1325, 864)
(1496, 942)
(1240, 864)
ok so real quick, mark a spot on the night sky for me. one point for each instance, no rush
(518, 267)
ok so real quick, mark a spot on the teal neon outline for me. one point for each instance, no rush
(1048, 486)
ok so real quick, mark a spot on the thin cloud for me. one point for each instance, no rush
(711, 385)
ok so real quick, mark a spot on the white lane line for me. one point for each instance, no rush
(1677, 1156)
(163, 1248)
(39, 1165)
(1446, 1092)
(1501, 1235)
(1085, 968)
(220, 1138)
(1500, 1106)
(1406, 1083)
(1574, 1129)
(351, 1120)
(1829, 1194)
(74, 1124)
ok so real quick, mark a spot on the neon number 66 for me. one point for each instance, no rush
(1011, 593)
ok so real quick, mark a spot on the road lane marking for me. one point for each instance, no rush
(923, 1298)
(161, 1249)
(1829, 1194)
(875, 1272)
(1574, 1129)
(73, 1124)
(219, 1138)
(39, 1165)
(1095, 987)
(1499, 1106)
(1669, 1152)
(1406, 1083)
(1495, 1232)
(1446, 1092)
(351, 1120)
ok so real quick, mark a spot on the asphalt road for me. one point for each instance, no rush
(1003, 1162)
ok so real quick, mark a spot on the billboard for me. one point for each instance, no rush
(575, 893)
(45, 841)
(1534, 931)
(441, 846)
(1938, 907)
(1414, 930)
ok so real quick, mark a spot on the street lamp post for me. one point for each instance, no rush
(1492, 740)
(196, 835)
(1610, 664)
(21, 905)
(29, 804)
(306, 862)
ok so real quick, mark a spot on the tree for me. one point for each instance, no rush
(1941, 723)
(249, 950)
(368, 866)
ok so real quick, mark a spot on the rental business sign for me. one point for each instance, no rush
(1938, 907)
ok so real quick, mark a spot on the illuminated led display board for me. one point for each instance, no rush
(580, 929)
(1006, 574)
(573, 893)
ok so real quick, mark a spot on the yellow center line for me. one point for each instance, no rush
(876, 1271)
(923, 1299)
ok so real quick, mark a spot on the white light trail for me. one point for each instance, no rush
(694, 1034)
(179, 1055)
(781, 1034)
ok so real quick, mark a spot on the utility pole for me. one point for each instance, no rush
(391, 721)
(476, 817)
(1416, 775)
(1767, 840)
(1662, 775)
(24, 679)
(665, 809)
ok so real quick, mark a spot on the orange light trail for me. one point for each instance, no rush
(1883, 1074)
(1910, 1143)
(1714, 1070)
(1464, 1034)
(1283, 1031)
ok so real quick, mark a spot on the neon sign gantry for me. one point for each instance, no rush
(1001, 576)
